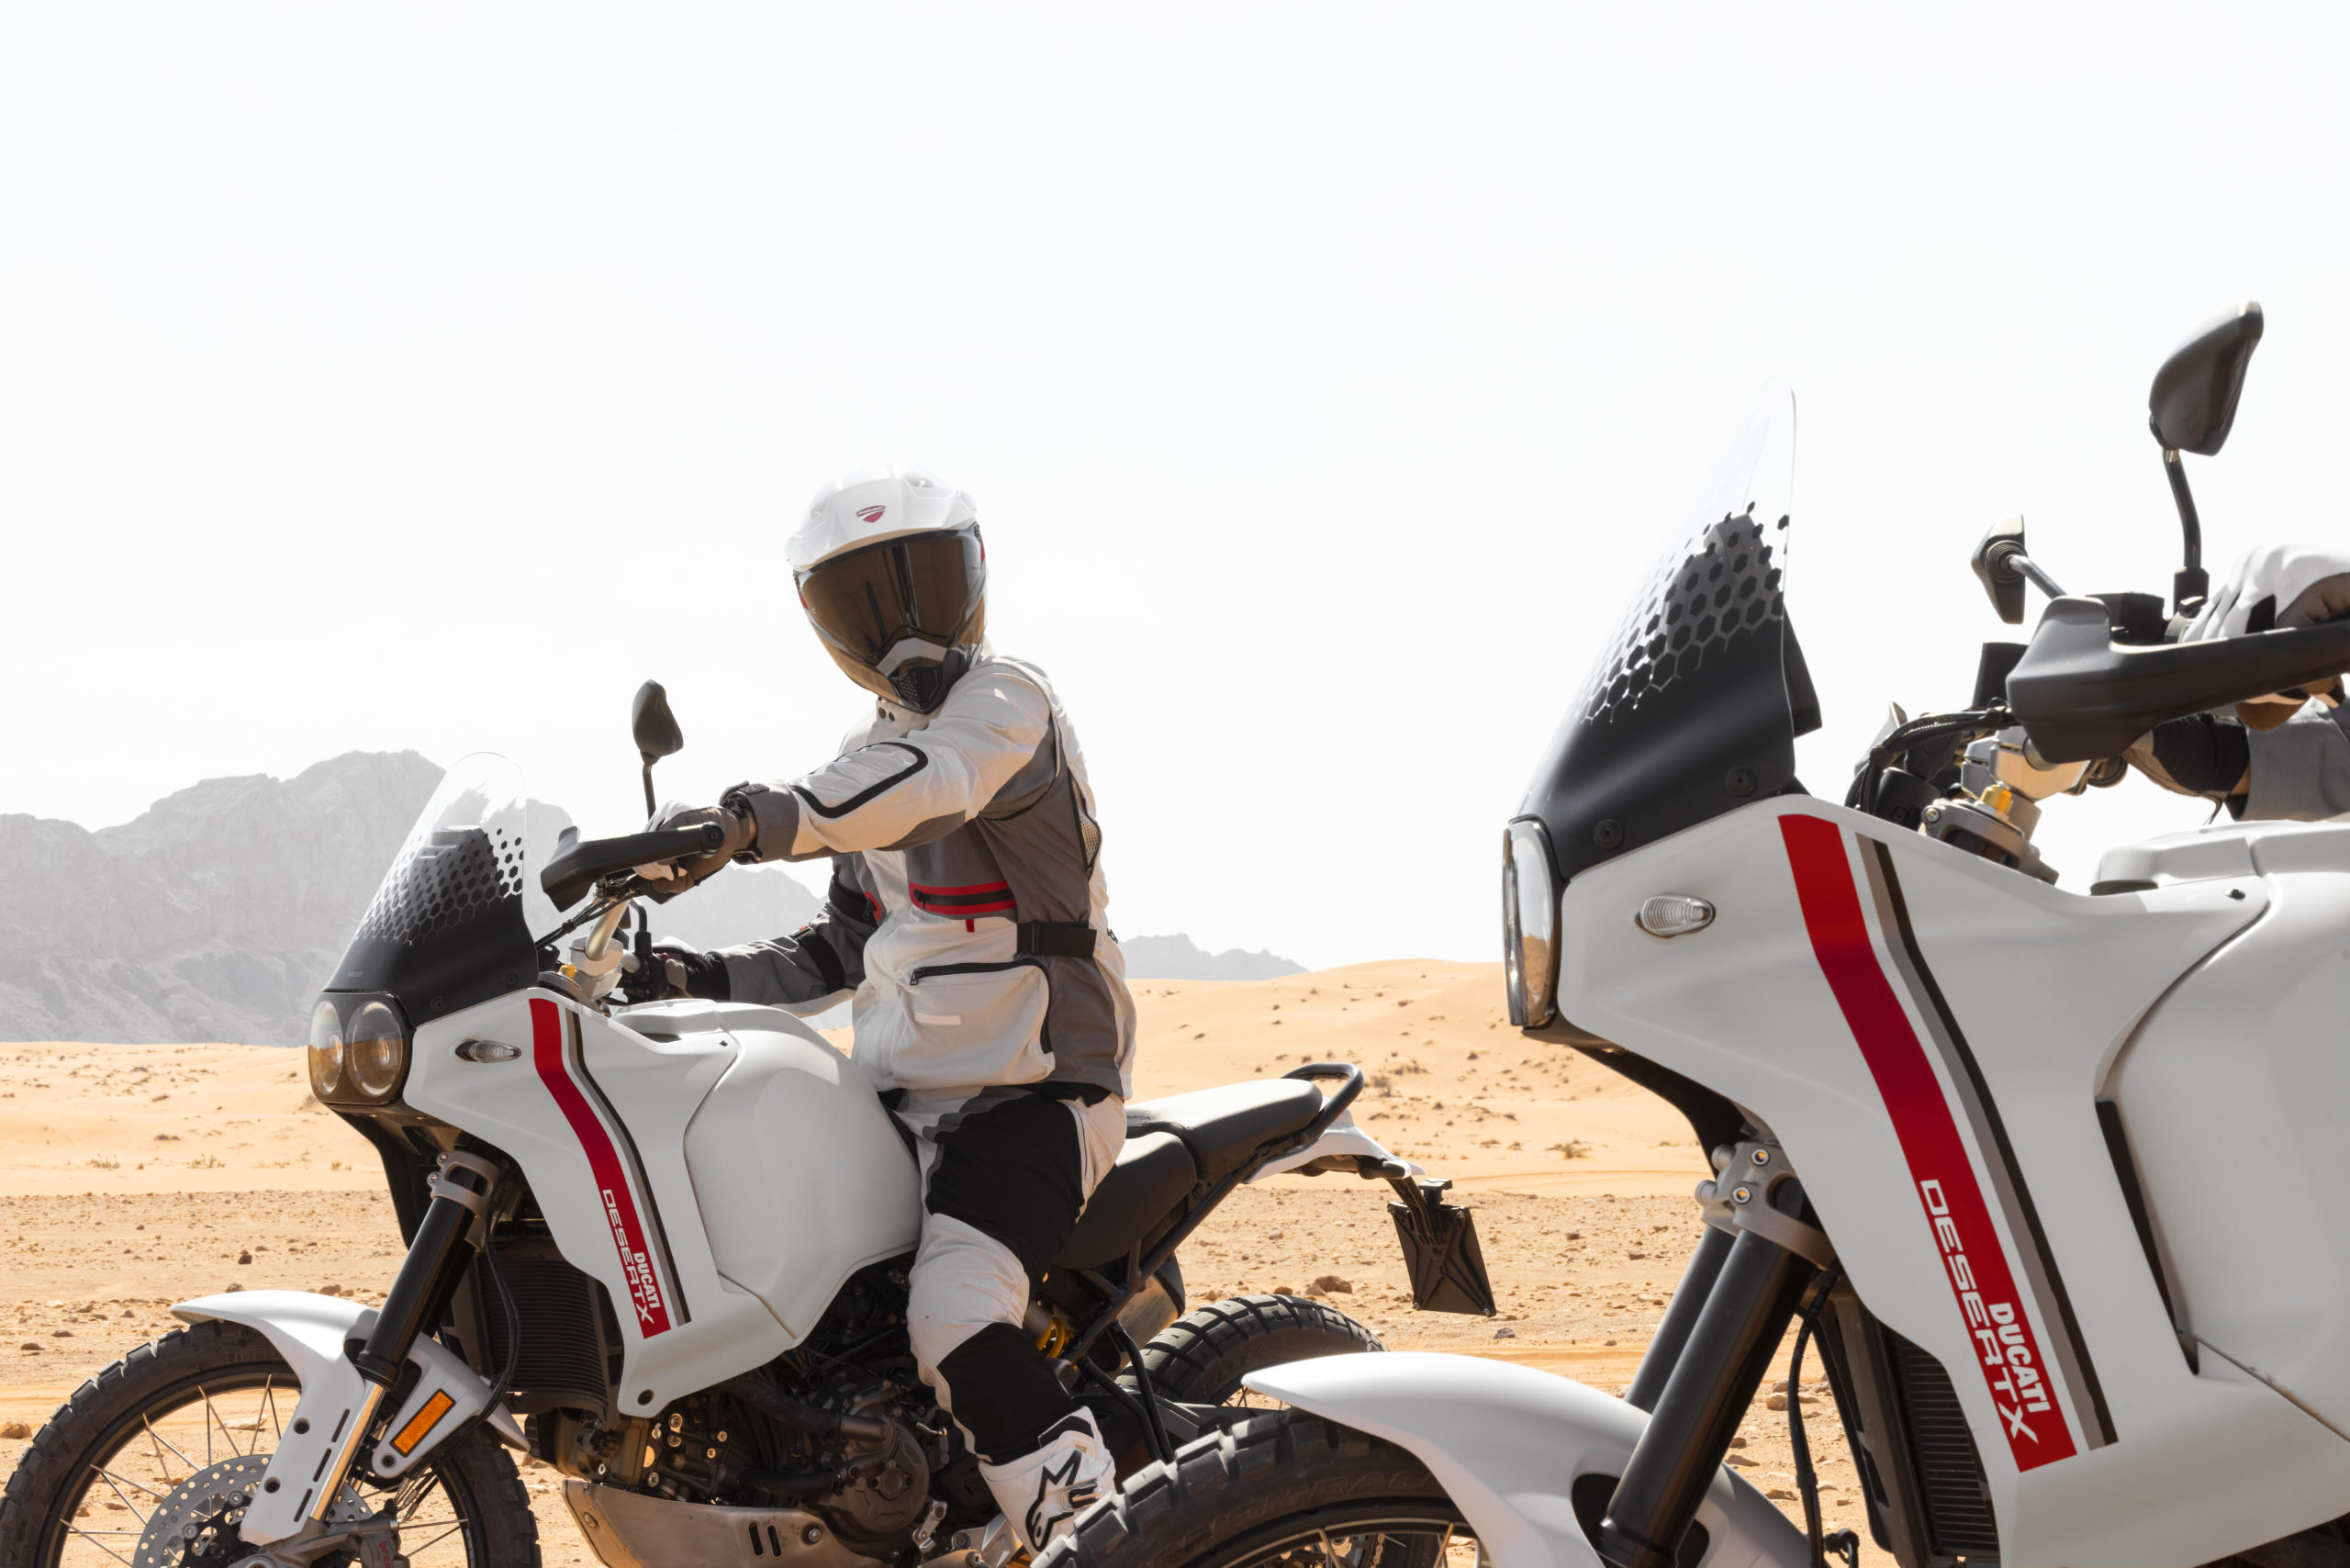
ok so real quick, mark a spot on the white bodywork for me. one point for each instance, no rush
(1341, 1139)
(1507, 1444)
(2212, 1008)
(309, 1331)
(2063, 999)
(720, 1222)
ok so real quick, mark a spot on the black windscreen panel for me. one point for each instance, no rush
(1693, 710)
(1959, 1522)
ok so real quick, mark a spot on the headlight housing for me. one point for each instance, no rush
(1529, 923)
(326, 1050)
(359, 1048)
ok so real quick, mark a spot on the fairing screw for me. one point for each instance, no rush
(1742, 782)
(812, 1534)
(1762, 1157)
(1742, 1193)
(1608, 834)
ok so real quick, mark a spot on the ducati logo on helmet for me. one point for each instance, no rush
(870, 514)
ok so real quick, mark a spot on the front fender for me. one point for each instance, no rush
(1507, 1443)
(310, 1332)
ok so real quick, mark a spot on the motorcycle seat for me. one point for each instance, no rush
(1223, 1126)
(1153, 1174)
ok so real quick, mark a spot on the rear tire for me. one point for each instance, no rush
(116, 1446)
(1200, 1357)
(1284, 1488)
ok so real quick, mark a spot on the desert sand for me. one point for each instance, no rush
(134, 1176)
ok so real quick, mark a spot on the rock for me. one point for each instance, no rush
(337, 1289)
(1330, 1284)
(1780, 1494)
(244, 1257)
(15, 1430)
(31, 1345)
(235, 1286)
(1286, 1290)
(1504, 1332)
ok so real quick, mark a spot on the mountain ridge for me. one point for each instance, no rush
(219, 913)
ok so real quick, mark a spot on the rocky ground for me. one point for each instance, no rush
(1584, 1248)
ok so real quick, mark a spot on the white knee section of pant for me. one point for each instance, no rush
(962, 1280)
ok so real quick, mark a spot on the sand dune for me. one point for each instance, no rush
(137, 1175)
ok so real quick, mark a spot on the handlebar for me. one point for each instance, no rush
(2081, 696)
(574, 871)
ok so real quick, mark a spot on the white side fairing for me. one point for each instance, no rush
(2231, 1096)
(1508, 1443)
(600, 1114)
(1928, 1034)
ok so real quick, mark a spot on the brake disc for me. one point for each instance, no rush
(196, 1525)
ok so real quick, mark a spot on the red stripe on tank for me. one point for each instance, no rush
(629, 1235)
(1974, 1261)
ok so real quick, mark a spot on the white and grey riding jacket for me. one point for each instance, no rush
(967, 907)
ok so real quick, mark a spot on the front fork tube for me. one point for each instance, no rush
(1689, 1298)
(1703, 1398)
(464, 1191)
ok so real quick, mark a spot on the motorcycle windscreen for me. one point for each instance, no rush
(447, 926)
(1694, 707)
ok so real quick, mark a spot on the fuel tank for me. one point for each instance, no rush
(718, 1168)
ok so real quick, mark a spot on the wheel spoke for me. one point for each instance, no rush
(117, 1483)
(91, 1535)
(163, 1442)
(415, 1491)
(419, 1550)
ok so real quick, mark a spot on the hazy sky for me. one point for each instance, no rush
(429, 375)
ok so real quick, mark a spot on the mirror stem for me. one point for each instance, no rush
(2192, 584)
(650, 806)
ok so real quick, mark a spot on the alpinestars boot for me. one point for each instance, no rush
(1041, 1492)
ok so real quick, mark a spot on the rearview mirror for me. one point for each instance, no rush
(655, 727)
(1995, 563)
(2193, 402)
(656, 732)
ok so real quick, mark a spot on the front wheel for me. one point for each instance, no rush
(149, 1461)
(1284, 1490)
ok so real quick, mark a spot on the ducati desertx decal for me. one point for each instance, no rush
(629, 1235)
(1982, 1280)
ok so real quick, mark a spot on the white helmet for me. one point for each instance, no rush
(893, 576)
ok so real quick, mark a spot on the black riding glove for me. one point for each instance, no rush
(2201, 755)
(674, 973)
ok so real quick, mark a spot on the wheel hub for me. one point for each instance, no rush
(197, 1524)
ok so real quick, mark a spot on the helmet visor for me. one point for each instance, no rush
(911, 598)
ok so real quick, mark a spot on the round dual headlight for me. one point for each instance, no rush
(326, 1049)
(1529, 924)
(359, 1058)
(377, 1043)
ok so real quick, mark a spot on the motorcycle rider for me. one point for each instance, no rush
(2285, 756)
(967, 911)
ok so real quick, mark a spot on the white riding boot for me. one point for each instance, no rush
(1040, 1493)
